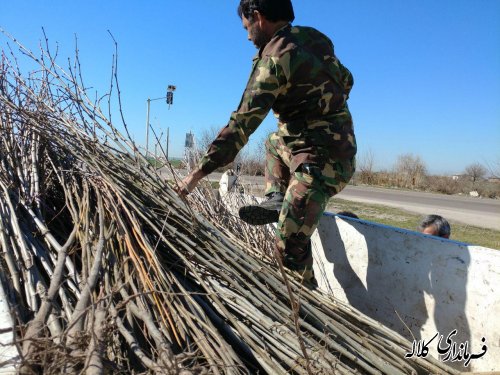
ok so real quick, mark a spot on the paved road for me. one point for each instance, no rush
(481, 212)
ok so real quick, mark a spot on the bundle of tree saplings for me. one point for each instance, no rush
(107, 270)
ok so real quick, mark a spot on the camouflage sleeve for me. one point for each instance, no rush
(347, 79)
(265, 83)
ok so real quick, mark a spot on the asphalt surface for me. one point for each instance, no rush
(480, 212)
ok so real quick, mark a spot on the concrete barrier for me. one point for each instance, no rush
(9, 355)
(416, 284)
(420, 286)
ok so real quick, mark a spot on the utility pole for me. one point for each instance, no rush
(168, 133)
(170, 101)
(147, 127)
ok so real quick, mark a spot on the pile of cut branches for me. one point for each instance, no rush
(107, 270)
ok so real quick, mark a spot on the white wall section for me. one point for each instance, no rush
(416, 284)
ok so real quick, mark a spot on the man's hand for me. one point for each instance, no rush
(189, 182)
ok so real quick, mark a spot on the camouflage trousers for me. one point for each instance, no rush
(307, 191)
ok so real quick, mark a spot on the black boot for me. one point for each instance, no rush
(264, 213)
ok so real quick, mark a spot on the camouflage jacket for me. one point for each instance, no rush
(297, 75)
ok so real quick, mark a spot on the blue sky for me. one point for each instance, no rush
(427, 72)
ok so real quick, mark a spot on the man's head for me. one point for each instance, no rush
(348, 214)
(435, 225)
(261, 18)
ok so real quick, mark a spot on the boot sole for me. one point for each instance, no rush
(256, 215)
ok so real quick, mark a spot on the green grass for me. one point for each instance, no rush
(157, 163)
(176, 163)
(402, 219)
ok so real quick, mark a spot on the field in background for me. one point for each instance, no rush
(399, 218)
(402, 219)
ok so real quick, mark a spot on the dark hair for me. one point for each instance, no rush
(348, 214)
(272, 10)
(441, 224)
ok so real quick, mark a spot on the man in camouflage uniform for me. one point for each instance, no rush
(311, 156)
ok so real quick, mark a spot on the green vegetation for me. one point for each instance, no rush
(176, 163)
(157, 163)
(160, 162)
(402, 219)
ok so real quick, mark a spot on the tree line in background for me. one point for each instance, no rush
(408, 172)
(250, 161)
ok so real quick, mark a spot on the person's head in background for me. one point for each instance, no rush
(435, 225)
